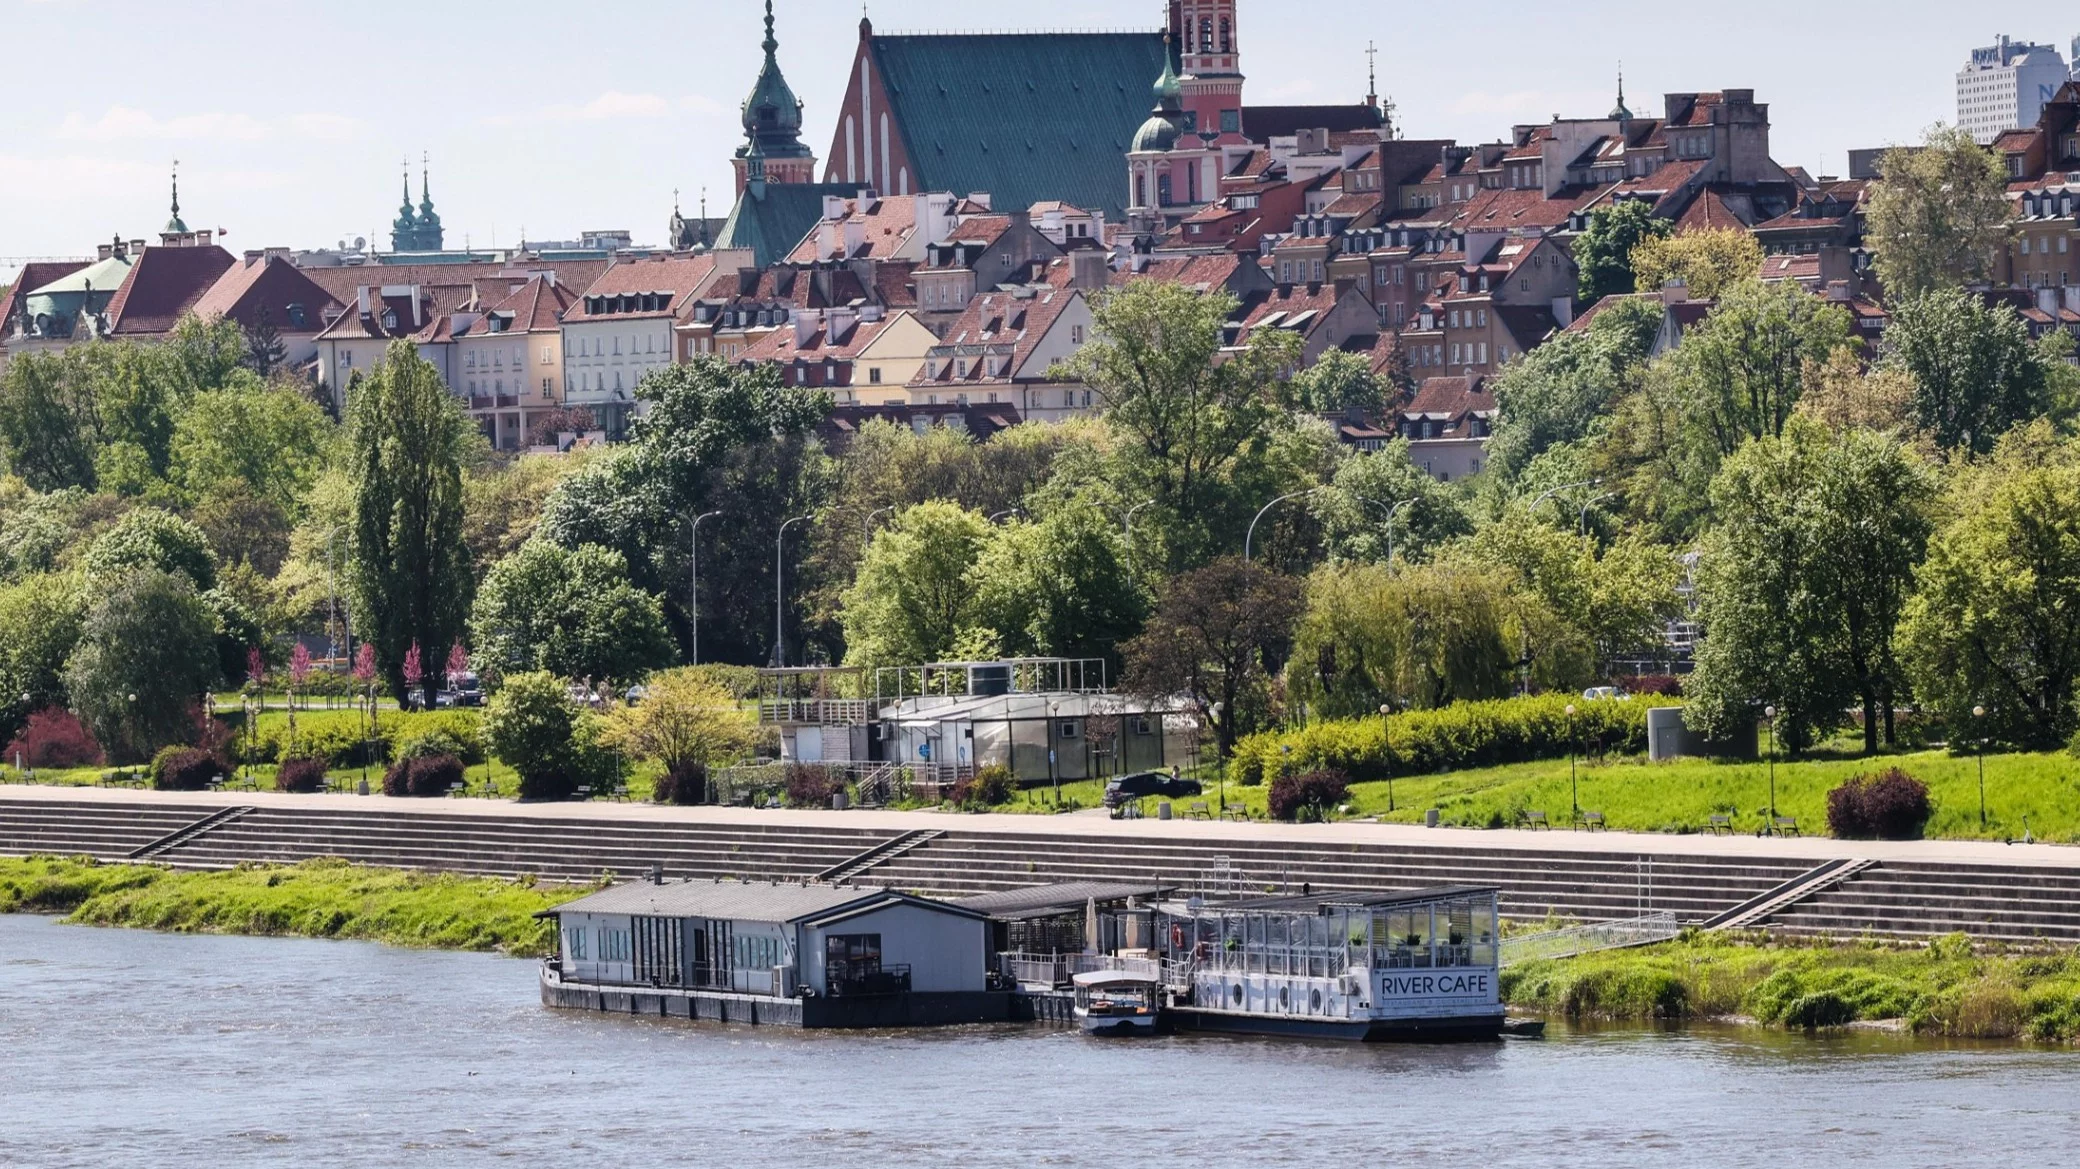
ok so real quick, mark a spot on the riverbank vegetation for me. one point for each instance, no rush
(315, 899)
(1950, 987)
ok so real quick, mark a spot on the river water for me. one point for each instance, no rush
(125, 1048)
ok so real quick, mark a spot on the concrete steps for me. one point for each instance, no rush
(2008, 903)
(96, 830)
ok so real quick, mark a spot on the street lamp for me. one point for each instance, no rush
(693, 583)
(1979, 719)
(1589, 504)
(1386, 733)
(866, 527)
(1054, 733)
(1563, 487)
(1249, 537)
(1005, 512)
(1573, 785)
(1392, 512)
(1770, 713)
(780, 592)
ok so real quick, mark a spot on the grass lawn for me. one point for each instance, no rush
(1681, 796)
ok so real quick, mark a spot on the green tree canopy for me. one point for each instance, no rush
(1217, 636)
(1991, 623)
(570, 612)
(533, 726)
(270, 438)
(1342, 382)
(1059, 587)
(685, 718)
(148, 538)
(1939, 216)
(39, 628)
(411, 577)
(1559, 391)
(1356, 507)
(912, 596)
(1707, 262)
(1975, 371)
(146, 658)
(1619, 599)
(1803, 577)
(1743, 369)
(1603, 252)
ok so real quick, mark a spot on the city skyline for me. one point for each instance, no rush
(601, 137)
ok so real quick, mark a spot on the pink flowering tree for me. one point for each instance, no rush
(458, 663)
(365, 664)
(256, 670)
(299, 665)
(414, 672)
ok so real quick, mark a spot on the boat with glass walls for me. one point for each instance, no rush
(1413, 965)
(1117, 1002)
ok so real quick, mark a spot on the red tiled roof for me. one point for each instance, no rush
(1353, 204)
(163, 285)
(1200, 271)
(271, 283)
(818, 345)
(991, 324)
(893, 285)
(1581, 323)
(1307, 304)
(1451, 400)
(885, 226)
(1504, 207)
(987, 229)
(537, 306)
(455, 287)
(1698, 110)
(352, 326)
(1802, 268)
(679, 276)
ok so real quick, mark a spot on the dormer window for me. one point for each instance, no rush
(389, 318)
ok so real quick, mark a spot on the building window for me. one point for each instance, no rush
(574, 944)
(1076, 334)
(1231, 121)
(874, 375)
(548, 387)
(389, 319)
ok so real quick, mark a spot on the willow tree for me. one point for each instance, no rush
(411, 571)
(1940, 215)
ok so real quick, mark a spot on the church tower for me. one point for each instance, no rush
(773, 126)
(429, 221)
(1210, 61)
(404, 231)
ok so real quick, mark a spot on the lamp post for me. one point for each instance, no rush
(1249, 537)
(1573, 785)
(1392, 512)
(780, 592)
(866, 527)
(1585, 510)
(1005, 512)
(1979, 721)
(1563, 487)
(1054, 774)
(1386, 738)
(1770, 713)
(693, 583)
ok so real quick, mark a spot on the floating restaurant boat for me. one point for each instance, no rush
(1117, 1002)
(1414, 965)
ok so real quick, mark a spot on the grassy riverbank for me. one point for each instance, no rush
(1949, 988)
(317, 899)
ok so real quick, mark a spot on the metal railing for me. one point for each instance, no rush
(1584, 939)
(1059, 969)
(823, 712)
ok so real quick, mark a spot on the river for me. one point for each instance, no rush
(126, 1048)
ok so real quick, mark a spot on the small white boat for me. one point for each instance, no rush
(1117, 1002)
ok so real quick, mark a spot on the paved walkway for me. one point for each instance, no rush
(1097, 823)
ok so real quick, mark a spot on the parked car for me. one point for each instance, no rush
(462, 690)
(1594, 693)
(1125, 789)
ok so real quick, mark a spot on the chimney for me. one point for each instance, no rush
(252, 256)
(1088, 269)
(2072, 292)
(657, 874)
(1838, 291)
(136, 247)
(806, 322)
(105, 251)
(842, 318)
(1563, 310)
(361, 300)
(980, 199)
(869, 313)
(2047, 300)
(1674, 291)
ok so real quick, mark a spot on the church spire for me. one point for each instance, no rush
(430, 233)
(174, 225)
(1619, 111)
(772, 120)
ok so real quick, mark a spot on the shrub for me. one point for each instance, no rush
(985, 789)
(301, 775)
(426, 746)
(686, 784)
(810, 786)
(533, 725)
(462, 728)
(186, 769)
(54, 738)
(1659, 685)
(422, 776)
(1463, 735)
(1309, 796)
(1890, 805)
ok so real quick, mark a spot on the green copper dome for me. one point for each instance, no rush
(772, 114)
(1165, 124)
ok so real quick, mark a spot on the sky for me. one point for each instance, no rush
(290, 121)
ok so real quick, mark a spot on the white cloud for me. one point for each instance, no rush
(614, 106)
(126, 123)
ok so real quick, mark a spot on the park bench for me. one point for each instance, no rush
(1198, 811)
(1720, 823)
(584, 792)
(458, 789)
(619, 791)
(1529, 819)
(1784, 825)
(1593, 821)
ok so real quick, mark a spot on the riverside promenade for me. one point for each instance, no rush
(1901, 888)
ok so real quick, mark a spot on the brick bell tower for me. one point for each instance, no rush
(1210, 66)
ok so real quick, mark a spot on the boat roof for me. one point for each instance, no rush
(1354, 899)
(746, 901)
(1112, 978)
(1059, 898)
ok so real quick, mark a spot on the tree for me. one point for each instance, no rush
(1803, 579)
(1841, 394)
(1939, 216)
(146, 658)
(1188, 415)
(410, 575)
(502, 504)
(244, 527)
(1341, 383)
(1603, 252)
(1422, 637)
(47, 423)
(1559, 392)
(269, 438)
(1975, 371)
(1991, 620)
(264, 349)
(1356, 508)
(1619, 599)
(569, 612)
(1707, 262)
(1743, 369)
(1061, 587)
(1217, 635)
(148, 538)
(908, 603)
(39, 628)
(533, 726)
(685, 718)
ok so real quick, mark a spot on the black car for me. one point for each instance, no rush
(1125, 789)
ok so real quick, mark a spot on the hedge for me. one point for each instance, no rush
(1451, 738)
(335, 736)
